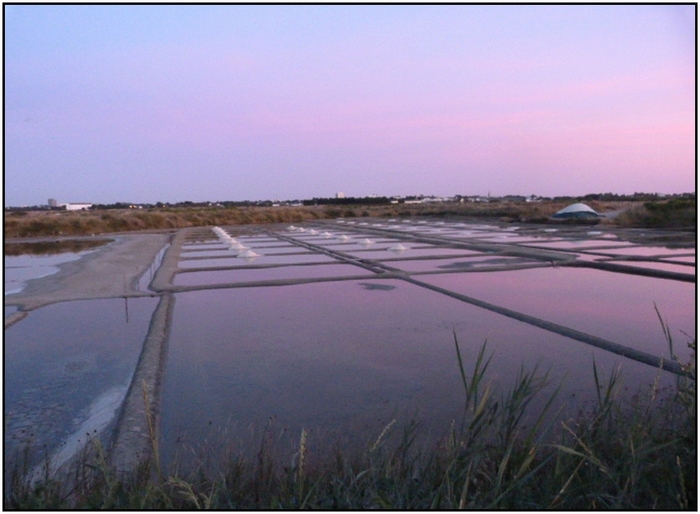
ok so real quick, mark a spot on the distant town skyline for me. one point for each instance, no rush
(171, 103)
(341, 198)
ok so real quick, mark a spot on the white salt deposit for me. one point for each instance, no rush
(247, 254)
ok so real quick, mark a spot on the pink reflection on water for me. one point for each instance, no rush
(346, 357)
(614, 306)
(656, 265)
(579, 244)
(282, 272)
(650, 251)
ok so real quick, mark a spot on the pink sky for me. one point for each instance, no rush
(166, 103)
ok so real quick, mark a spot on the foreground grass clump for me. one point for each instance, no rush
(622, 453)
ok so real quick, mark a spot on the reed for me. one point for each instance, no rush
(625, 452)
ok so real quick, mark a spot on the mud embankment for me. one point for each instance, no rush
(111, 271)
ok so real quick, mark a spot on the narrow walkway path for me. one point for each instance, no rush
(561, 258)
(384, 271)
(136, 431)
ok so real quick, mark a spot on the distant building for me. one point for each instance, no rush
(340, 195)
(78, 206)
(53, 202)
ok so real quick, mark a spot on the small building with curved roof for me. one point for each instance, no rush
(576, 210)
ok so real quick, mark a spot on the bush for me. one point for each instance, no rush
(674, 213)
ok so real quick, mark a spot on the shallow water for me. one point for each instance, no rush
(465, 263)
(581, 244)
(689, 259)
(347, 358)
(614, 306)
(656, 265)
(221, 251)
(20, 269)
(253, 275)
(302, 257)
(643, 251)
(340, 359)
(507, 238)
(148, 275)
(49, 247)
(434, 252)
(60, 360)
(189, 247)
(344, 358)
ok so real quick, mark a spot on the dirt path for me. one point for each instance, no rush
(109, 271)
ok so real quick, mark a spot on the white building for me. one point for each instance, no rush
(78, 206)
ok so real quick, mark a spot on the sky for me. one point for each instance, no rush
(148, 103)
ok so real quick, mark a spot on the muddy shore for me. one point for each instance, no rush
(110, 271)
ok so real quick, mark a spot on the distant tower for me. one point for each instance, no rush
(340, 195)
(53, 202)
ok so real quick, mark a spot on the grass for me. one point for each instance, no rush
(22, 224)
(623, 453)
(73, 223)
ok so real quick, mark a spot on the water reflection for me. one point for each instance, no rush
(148, 275)
(231, 260)
(63, 366)
(22, 268)
(613, 306)
(643, 251)
(283, 272)
(54, 247)
(656, 265)
(332, 357)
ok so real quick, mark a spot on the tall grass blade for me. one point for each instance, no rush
(461, 371)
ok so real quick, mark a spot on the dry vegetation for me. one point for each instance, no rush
(19, 224)
(671, 214)
(63, 223)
